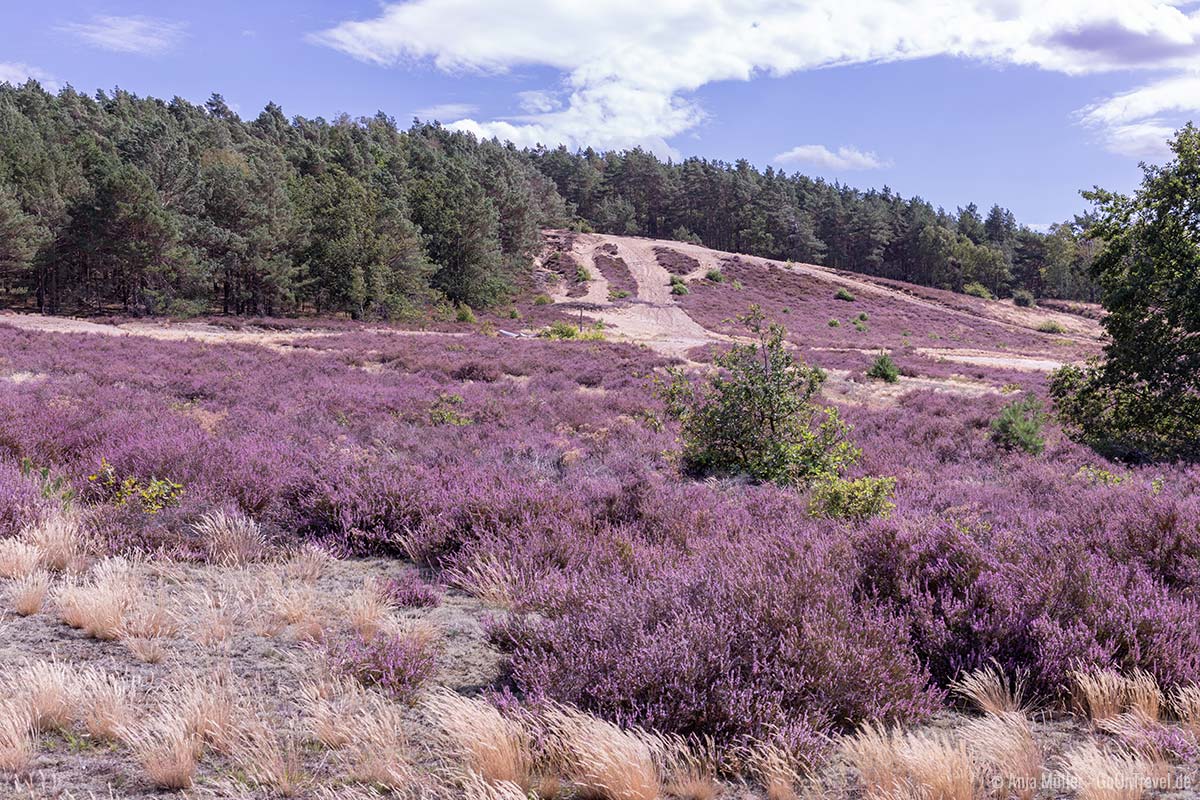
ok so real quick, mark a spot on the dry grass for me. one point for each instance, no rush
(107, 704)
(490, 581)
(28, 594)
(297, 607)
(893, 764)
(17, 736)
(165, 749)
(476, 787)
(99, 608)
(775, 768)
(208, 707)
(1102, 774)
(307, 564)
(270, 761)
(991, 691)
(59, 540)
(215, 616)
(367, 610)
(231, 538)
(1185, 703)
(148, 651)
(1142, 735)
(50, 691)
(487, 743)
(377, 751)
(1104, 694)
(1004, 745)
(18, 558)
(602, 759)
(330, 709)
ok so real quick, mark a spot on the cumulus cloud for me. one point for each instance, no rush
(446, 111)
(17, 73)
(140, 35)
(845, 158)
(1139, 122)
(630, 67)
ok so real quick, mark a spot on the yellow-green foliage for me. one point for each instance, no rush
(446, 411)
(152, 496)
(565, 330)
(863, 498)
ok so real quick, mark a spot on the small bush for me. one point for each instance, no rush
(1019, 426)
(861, 326)
(863, 317)
(834, 323)
(482, 371)
(409, 591)
(514, 313)
(884, 369)
(565, 330)
(446, 411)
(844, 294)
(582, 275)
(617, 294)
(1050, 326)
(465, 314)
(977, 289)
(838, 498)
(1023, 298)
(678, 285)
(399, 664)
(542, 300)
(714, 275)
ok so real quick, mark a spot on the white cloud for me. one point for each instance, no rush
(446, 111)
(845, 158)
(629, 65)
(538, 101)
(141, 35)
(17, 73)
(1139, 122)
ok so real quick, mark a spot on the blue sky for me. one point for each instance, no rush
(1012, 101)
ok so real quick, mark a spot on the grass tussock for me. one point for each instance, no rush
(484, 741)
(49, 690)
(1004, 745)
(991, 691)
(919, 764)
(368, 610)
(208, 707)
(60, 541)
(1104, 694)
(1185, 704)
(270, 760)
(1105, 774)
(17, 736)
(18, 558)
(27, 595)
(98, 607)
(230, 538)
(165, 749)
(107, 704)
(377, 752)
(602, 759)
(330, 708)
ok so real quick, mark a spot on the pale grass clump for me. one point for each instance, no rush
(1004, 744)
(166, 750)
(1140, 734)
(476, 787)
(208, 707)
(483, 740)
(107, 704)
(50, 690)
(367, 609)
(489, 580)
(148, 651)
(1106, 774)
(1103, 694)
(601, 758)
(59, 539)
(28, 594)
(893, 764)
(377, 751)
(214, 617)
(297, 607)
(308, 563)
(18, 737)
(330, 708)
(991, 691)
(270, 761)
(1185, 703)
(690, 767)
(18, 558)
(775, 768)
(231, 538)
(99, 607)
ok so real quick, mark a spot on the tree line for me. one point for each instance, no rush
(117, 202)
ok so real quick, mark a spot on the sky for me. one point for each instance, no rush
(1017, 102)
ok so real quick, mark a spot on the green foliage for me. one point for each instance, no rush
(977, 289)
(844, 294)
(53, 487)
(151, 496)
(565, 330)
(618, 294)
(446, 410)
(863, 317)
(884, 369)
(860, 326)
(1050, 326)
(756, 416)
(1024, 298)
(834, 323)
(582, 275)
(464, 314)
(853, 500)
(1019, 426)
(714, 275)
(1143, 401)
(678, 285)
(542, 300)
(1098, 475)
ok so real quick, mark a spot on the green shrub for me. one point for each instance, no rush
(757, 416)
(582, 275)
(514, 313)
(864, 498)
(884, 369)
(465, 314)
(714, 275)
(1019, 426)
(977, 289)
(445, 411)
(861, 326)
(617, 294)
(1023, 298)
(565, 330)
(736, 284)
(678, 285)
(844, 294)
(863, 317)
(833, 323)
(542, 300)
(1050, 326)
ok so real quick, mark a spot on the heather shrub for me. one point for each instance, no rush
(1019, 426)
(398, 663)
(757, 417)
(20, 500)
(884, 369)
(1024, 298)
(859, 499)
(476, 371)
(408, 590)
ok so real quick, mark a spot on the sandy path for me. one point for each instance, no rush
(986, 358)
